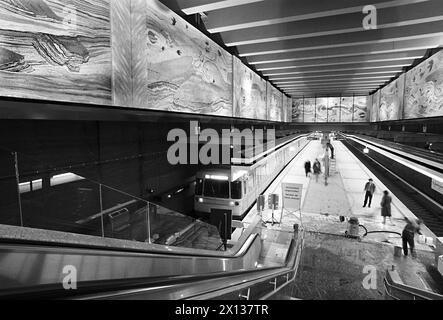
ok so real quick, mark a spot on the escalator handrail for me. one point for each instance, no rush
(246, 278)
(55, 289)
(389, 284)
(33, 245)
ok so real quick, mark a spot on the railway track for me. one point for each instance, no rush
(403, 191)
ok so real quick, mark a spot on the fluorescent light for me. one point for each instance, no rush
(216, 177)
(65, 178)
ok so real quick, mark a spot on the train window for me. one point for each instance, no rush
(216, 188)
(236, 189)
(199, 187)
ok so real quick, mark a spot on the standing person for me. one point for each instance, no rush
(370, 189)
(386, 206)
(329, 145)
(408, 235)
(307, 167)
(317, 169)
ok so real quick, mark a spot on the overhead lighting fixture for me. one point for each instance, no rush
(216, 177)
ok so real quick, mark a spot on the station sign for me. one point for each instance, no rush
(437, 186)
(292, 195)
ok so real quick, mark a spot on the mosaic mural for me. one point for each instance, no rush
(321, 109)
(360, 109)
(274, 103)
(375, 106)
(333, 109)
(297, 109)
(284, 108)
(187, 72)
(249, 92)
(346, 109)
(309, 110)
(289, 110)
(391, 100)
(424, 89)
(56, 50)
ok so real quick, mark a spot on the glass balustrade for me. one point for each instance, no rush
(41, 196)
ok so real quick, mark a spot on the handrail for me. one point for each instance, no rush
(159, 266)
(414, 293)
(216, 285)
(33, 245)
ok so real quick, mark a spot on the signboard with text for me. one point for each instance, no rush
(292, 195)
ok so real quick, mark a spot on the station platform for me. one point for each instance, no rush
(321, 208)
(322, 205)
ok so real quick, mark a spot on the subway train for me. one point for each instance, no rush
(236, 188)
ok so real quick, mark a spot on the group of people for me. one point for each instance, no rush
(411, 228)
(316, 167)
(385, 200)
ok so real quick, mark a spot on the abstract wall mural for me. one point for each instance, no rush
(360, 109)
(284, 108)
(424, 89)
(333, 109)
(187, 72)
(391, 100)
(274, 103)
(249, 92)
(297, 109)
(346, 109)
(375, 106)
(56, 50)
(321, 109)
(289, 110)
(309, 110)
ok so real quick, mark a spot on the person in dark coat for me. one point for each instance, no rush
(408, 235)
(317, 169)
(386, 206)
(370, 189)
(307, 167)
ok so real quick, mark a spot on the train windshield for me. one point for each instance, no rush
(236, 189)
(216, 188)
(199, 187)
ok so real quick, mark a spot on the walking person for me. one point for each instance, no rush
(386, 206)
(370, 189)
(408, 235)
(317, 169)
(307, 167)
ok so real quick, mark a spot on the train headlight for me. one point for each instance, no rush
(231, 203)
(200, 200)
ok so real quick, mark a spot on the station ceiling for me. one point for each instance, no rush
(318, 47)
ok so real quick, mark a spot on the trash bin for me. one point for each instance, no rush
(353, 227)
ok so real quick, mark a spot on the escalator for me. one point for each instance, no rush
(38, 271)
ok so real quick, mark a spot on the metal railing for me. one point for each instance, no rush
(394, 290)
